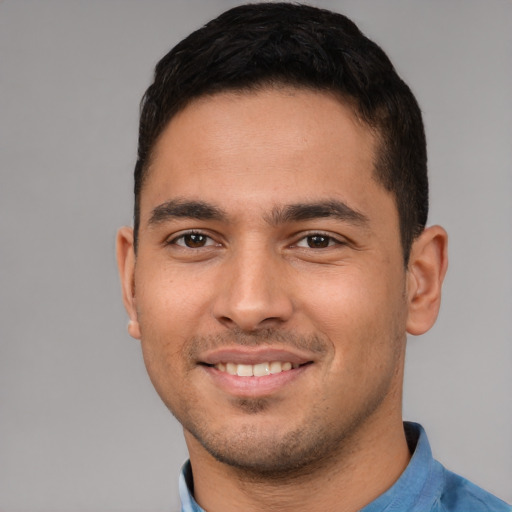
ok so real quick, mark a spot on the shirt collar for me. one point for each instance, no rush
(186, 489)
(414, 491)
(418, 485)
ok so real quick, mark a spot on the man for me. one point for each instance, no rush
(278, 258)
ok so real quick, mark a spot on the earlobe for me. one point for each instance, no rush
(126, 265)
(426, 270)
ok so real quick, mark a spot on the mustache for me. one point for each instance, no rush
(236, 337)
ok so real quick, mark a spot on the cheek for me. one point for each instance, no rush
(360, 311)
(341, 299)
(170, 301)
(166, 318)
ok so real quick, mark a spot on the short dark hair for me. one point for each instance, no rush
(258, 45)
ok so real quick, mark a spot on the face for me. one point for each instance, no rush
(269, 289)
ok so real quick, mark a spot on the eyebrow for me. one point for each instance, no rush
(180, 208)
(201, 210)
(316, 210)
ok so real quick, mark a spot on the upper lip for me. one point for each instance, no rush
(246, 355)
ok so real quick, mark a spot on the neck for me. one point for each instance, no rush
(367, 465)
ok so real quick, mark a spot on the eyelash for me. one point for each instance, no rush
(175, 240)
(331, 241)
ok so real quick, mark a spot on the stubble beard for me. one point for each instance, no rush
(287, 454)
(279, 456)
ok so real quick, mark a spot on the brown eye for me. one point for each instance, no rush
(318, 241)
(193, 240)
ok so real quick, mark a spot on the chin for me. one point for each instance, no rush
(261, 450)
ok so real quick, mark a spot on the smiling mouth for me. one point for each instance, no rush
(257, 370)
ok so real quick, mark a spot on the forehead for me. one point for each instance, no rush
(273, 146)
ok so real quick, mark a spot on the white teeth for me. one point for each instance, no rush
(261, 369)
(276, 367)
(256, 370)
(230, 368)
(244, 370)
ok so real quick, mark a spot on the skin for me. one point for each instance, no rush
(330, 290)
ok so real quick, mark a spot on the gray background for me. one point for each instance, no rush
(81, 428)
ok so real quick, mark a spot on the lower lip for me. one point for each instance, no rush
(254, 386)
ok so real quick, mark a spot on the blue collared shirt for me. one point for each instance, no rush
(424, 486)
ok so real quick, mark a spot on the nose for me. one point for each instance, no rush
(254, 292)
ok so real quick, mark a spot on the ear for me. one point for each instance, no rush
(426, 270)
(126, 265)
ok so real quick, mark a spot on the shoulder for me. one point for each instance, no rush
(460, 495)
